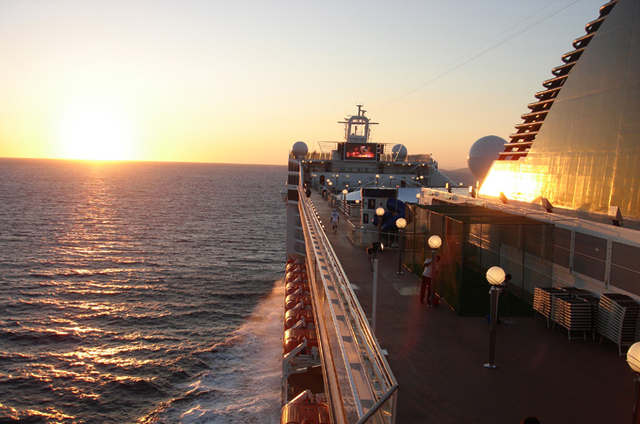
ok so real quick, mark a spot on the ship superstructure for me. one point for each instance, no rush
(359, 162)
(359, 176)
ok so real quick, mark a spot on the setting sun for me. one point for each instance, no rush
(95, 132)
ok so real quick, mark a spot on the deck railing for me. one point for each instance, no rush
(359, 384)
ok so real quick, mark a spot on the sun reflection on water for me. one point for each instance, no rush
(50, 414)
(114, 298)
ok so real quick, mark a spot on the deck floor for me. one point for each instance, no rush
(437, 356)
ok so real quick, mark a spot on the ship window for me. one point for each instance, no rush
(532, 239)
(509, 235)
(589, 255)
(591, 246)
(625, 267)
(561, 246)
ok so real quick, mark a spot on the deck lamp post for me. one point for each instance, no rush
(434, 243)
(414, 212)
(373, 253)
(344, 201)
(379, 213)
(633, 359)
(495, 277)
(400, 223)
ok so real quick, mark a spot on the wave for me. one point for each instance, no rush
(137, 386)
(32, 416)
(39, 336)
(88, 273)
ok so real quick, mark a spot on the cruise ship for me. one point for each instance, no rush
(558, 211)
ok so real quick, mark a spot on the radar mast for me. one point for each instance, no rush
(357, 127)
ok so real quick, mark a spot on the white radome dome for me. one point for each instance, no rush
(399, 151)
(299, 149)
(482, 154)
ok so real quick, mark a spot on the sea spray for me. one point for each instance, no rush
(243, 384)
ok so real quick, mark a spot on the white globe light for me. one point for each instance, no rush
(380, 211)
(401, 223)
(633, 357)
(495, 275)
(435, 242)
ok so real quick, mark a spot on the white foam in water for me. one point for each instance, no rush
(244, 383)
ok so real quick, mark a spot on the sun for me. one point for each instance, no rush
(95, 131)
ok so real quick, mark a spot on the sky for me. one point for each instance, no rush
(241, 81)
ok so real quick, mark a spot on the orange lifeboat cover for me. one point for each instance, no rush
(291, 287)
(293, 316)
(294, 336)
(292, 275)
(293, 299)
(305, 409)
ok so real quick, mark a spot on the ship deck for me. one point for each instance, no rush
(437, 356)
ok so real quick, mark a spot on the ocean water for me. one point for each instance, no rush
(140, 292)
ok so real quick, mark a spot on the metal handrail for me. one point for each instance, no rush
(315, 230)
(377, 406)
(384, 383)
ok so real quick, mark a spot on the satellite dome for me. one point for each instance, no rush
(299, 149)
(399, 152)
(482, 154)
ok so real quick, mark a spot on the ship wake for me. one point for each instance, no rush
(243, 382)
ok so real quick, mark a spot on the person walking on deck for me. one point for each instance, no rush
(426, 280)
(335, 217)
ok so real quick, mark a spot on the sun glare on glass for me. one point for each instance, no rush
(96, 133)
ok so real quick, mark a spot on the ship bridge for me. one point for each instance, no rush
(356, 127)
